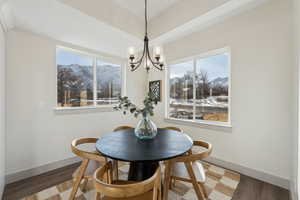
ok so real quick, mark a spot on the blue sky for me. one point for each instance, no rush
(216, 66)
(178, 70)
(100, 62)
(67, 58)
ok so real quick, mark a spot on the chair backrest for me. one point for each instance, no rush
(120, 128)
(108, 189)
(197, 156)
(173, 128)
(86, 154)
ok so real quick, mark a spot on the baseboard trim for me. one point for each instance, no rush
(293, 196)
(274, 180)
(10, 178)
(293, 191)
(278, 181)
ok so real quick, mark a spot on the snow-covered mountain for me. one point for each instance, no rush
(108, 73)
(219, 82)
(76, 76)
(105, 73)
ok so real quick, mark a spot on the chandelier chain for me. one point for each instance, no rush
(146, 19)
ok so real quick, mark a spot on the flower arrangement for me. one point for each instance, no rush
(127, 106)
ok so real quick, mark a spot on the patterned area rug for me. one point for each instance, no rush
(220, 185)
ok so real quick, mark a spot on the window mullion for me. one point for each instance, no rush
(95, 81)
(194, 90)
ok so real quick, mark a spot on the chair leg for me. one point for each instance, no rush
(84, 184)
(159, 192)
(111, 176)
(167, 179)
(174, 182)
(98, 196)
(203, 189)
(170, 183)
(116, 168)
(155, 193)
(197, 188)
(82, 169)
(171, 178)
(159, 186)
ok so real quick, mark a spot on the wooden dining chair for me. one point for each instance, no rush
(115, 162)
(173, 128)
(187, 168)
(120, 128)
(90, 162)
(109, 189)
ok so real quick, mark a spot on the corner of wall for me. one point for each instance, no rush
(2, 110)
(293, 191)
(294, 180)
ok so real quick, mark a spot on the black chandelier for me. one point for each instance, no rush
(157, 62)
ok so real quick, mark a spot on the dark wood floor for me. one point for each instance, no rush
(26, 187)
(248, 189)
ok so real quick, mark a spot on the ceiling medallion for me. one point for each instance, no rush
(146, 58)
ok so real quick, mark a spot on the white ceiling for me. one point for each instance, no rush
(67, 24)
(155, 7)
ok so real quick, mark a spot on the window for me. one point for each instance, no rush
(199, 89)
(108, 83)
(84, 80)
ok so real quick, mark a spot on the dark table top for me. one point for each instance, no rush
(125, 146)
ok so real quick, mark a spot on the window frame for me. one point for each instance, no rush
(94, 57)
(194, 60)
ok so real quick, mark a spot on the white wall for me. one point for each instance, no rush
(36, 134)
(2, 110)
(261, 73)
(295, 159)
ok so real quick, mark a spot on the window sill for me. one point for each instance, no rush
(86, 109)
(202, 124)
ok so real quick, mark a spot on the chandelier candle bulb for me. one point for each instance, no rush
(161, 60)
(131, 51)
(157, 51)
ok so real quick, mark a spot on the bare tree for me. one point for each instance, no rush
(67, 80)
(203, 84)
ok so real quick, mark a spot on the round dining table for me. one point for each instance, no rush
(143, 155)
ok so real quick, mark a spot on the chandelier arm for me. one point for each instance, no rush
(149, 56)
(152, 61)
(141, 59)
(155, 64)
(136, 66)
(137, 62)
(158, 67)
